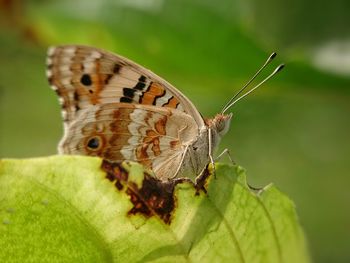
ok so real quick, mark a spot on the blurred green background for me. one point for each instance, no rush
(294, 132)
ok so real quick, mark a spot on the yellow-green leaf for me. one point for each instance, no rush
(68, 208)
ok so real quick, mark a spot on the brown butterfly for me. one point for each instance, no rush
(118, 110)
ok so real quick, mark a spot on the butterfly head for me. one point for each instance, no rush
(220, 124)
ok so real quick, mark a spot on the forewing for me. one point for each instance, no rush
(85, 76)
(146, 134)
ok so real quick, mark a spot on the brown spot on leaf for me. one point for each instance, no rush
(154, 198)
(202, 181)
(115, 173)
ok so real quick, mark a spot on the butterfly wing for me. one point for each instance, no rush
(154, 137)
(85, 76)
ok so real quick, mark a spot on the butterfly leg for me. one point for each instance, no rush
(211, 159)
(227, 152)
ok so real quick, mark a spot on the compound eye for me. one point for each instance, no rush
(220, 126)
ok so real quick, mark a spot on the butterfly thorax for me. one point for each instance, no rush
(197, 154)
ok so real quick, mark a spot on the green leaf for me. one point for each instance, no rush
(71, 208)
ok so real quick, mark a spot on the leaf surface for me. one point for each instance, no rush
(67, 208)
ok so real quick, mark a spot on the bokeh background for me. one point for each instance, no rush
(294, 132)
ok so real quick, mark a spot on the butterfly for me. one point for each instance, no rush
(121, 111)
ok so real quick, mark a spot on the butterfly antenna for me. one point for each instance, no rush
(279, 68)
(228, 104)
